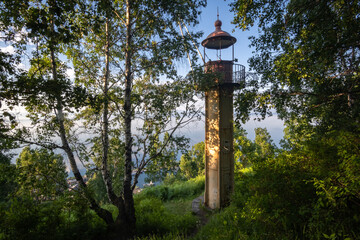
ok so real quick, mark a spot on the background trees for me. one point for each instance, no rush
(41, 174)
(124, 55)
(192, 163)
(308, 56)
(8, 177)
(121, 110)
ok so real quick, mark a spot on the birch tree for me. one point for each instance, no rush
(124, 55)
(135, 50)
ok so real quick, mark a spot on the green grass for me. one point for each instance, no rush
(152, 217)
(178, 207)
(178, 190)
(222, 225)
(170, 236)
(164, 211)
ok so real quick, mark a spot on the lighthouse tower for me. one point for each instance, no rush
(225, 78)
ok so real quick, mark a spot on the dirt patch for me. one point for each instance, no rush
(201, 211)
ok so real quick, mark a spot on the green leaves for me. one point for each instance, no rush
(123, 54)
(249, 153)
(192, 163)
(41, 174)
(307, 58)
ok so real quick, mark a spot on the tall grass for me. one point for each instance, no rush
(153, 218)
(177, 190)
(155, 221)
(170, 236)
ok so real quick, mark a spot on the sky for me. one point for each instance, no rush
(196, 131)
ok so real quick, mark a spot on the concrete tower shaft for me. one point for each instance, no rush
(219, 136)
(219, 166)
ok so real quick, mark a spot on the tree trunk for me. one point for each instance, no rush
(128, 194)
(104, 214)
(118, 229)
(105, 124)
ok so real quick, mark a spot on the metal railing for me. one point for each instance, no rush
(239, 74)
(217, 74)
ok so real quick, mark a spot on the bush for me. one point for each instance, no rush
(178, 190)
(152, 218)
(80, 222)
(271, 202)
(23, 218)
(170, 236)
(307, 194)
(225, 225)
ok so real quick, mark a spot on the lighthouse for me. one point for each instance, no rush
(226, 76)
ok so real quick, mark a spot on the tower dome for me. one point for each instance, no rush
(218, 39)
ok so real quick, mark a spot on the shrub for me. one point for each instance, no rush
(177, 190)
(225, 225)
(24, 218)
(170, 236)
(270, 202)
(152, 218)
(292, 196)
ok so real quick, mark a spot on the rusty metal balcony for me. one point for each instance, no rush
(221, 73)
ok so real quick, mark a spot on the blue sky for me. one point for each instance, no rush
(196, 131)
(207, 19)
(243, 52)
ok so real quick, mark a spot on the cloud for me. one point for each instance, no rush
(273, 124)
(22, 66)
(12, 36)
(8, 49)
(70, 73)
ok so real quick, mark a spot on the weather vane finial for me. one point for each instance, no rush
(217, 13)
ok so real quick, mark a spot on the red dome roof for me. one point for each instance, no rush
(219, 39)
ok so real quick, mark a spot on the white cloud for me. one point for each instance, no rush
(2, 35)
(70, 73)
(8, 49)
(17, 36)
(273, 124)
(22, 66)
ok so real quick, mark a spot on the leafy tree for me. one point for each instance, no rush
(265, 147)
(192, 163)
(166, 163)
(97, 186)
(244, 149)
(7, 119)
(46, 92)
(7, 177)
(133, 50)
(120, 52)
(41, 174)
(308, 56)
(247, 152)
